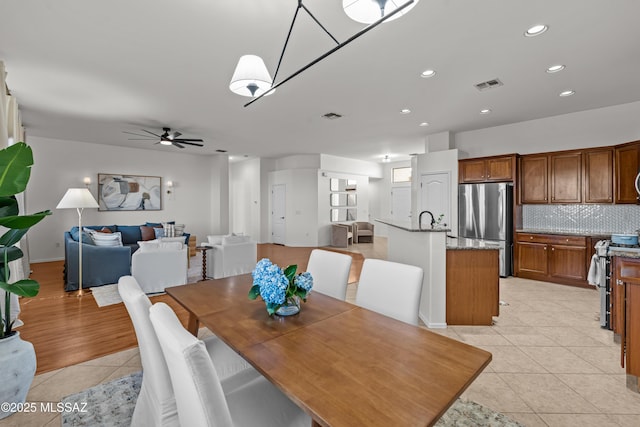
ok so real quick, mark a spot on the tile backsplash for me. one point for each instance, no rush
(582, 218)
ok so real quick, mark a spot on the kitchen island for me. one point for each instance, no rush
(424, 247)
(473, 281)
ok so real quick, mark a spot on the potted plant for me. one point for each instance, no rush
(17, 357)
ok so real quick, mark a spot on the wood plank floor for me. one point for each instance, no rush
(66, 329)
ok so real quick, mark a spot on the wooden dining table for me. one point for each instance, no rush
(342, 364)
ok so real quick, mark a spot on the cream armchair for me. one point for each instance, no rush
(230, 256)
(341, 235)
(157, 265)
(362, 232)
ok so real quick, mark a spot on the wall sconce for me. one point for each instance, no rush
(87, 181)
(169, 187)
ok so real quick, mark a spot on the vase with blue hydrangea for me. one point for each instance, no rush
(281, 290)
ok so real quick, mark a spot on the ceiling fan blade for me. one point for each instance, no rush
(140, 139)
(187, 139)
(144, 130)
(177, 145)
(175, 134)
(190, 143)
(136, 134)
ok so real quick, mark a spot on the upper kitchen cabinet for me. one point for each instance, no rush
(551, 178)
(487, 169)
(626, 169)
(598, 175)
(566, 177)
(533, 182)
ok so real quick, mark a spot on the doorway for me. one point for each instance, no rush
(435, 195)
(278, 209)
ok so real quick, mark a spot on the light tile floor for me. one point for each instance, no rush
(552, 363)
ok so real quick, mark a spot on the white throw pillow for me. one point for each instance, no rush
(107, 239)
(149, 245)
(226, 240)
(172, 239)
(215, 239)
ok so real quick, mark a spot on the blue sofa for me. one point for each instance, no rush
(101, 265)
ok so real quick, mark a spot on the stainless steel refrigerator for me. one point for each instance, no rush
(485, 212)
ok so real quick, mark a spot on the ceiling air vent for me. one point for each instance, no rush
(489, 84)
(331, 116)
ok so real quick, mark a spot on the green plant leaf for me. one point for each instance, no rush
(254, 292)
(23, 221)
(15, 168)
(8, 206)
(22, 288)
(13, 253)
(290, 272)
(271, 308)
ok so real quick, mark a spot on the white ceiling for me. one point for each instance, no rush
(89, 70)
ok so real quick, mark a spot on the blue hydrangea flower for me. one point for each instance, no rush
(304, 281)
(271, 280)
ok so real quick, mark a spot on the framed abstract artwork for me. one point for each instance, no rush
(129, 192)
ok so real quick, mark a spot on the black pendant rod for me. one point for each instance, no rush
(318, 22)
(339, 46)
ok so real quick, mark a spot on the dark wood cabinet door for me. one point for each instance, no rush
(472, 170)
(500, 169)
(567, 262)
(533, 179)
(566, 177)
(632, 328)
(598, 176)
(616, 298)
(626, 169)
(532, 258)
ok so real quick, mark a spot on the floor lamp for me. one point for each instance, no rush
(78, 198)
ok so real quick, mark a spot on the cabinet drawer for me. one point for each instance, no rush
(552, 239)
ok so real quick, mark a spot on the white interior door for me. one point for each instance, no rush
(435, 196)
(401, 203)
(278, 209)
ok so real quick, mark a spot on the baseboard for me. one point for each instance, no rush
(36, 261)
(431, 325)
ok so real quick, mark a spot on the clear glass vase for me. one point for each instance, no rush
(290, 307)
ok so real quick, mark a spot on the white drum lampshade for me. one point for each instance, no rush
(251, 77)
(369, 11)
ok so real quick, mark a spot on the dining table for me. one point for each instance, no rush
(342, 364)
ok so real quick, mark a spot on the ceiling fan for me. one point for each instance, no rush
(167, 138)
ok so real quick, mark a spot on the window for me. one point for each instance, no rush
(401, 175)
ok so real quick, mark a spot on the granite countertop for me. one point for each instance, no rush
(411, 226)
(567, 233)
(623, 253)
(464, 243)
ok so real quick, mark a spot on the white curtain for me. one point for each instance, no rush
(11, 127)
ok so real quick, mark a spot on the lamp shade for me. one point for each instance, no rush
(77, 198)
(251, 77)
(369, 11)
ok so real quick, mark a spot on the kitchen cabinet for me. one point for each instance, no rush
(628, 275)
(473, 286)
(627, 164)
(551, 178)
(552, 257)
(487, 169)
(533, 182)
(598, 175)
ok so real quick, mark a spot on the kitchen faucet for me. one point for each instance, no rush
(433, 220)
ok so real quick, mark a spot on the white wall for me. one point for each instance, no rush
(353, 166)
(380, 194)
(591, 128)
(200, 182)
(301, 213)
(244, 197)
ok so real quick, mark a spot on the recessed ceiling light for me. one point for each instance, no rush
(423, 124)
(428, 73)
(567, 93)
(485, 111)
(536, 30)
(405, 111)
(555, 68)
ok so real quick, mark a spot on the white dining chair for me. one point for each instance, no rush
(390, 288)
(330, 272)
(156, 404)
(200, 395)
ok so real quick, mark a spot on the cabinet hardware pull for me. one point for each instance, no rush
(553, 249)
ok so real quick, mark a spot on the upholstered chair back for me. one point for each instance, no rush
(330, 272)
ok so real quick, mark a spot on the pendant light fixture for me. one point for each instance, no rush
(251, 77)
(368, 11)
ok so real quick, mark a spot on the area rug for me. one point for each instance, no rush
(108, 294)
(112, 404)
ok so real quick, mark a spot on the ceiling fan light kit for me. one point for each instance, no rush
(251, 77)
